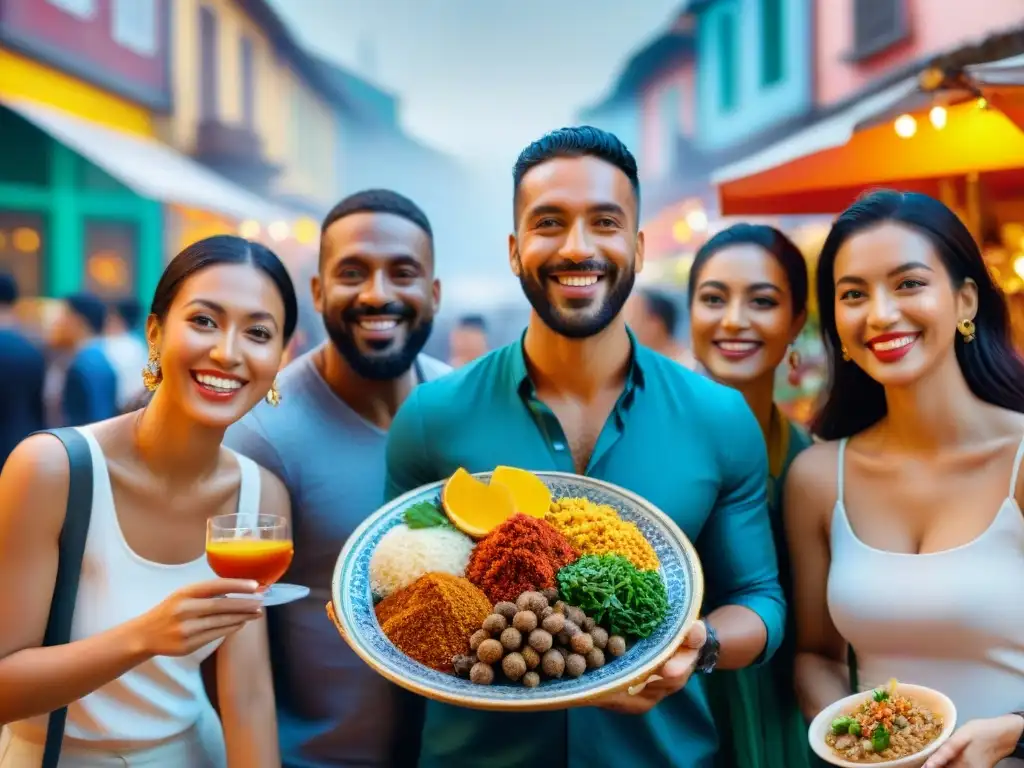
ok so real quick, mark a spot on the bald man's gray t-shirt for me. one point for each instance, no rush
(333, 710)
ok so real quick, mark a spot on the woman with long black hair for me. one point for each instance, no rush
(905, 528)
(149, 610)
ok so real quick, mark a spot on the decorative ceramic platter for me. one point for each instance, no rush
(353, 608)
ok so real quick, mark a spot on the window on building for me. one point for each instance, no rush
(111, 258)
(877, 24)
(772, 41)
(134, 25)
(248, 84)
(83, 9)
(22, 249)
(208, 71)
(727, 85)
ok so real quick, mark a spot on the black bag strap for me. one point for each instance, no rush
(69, 566)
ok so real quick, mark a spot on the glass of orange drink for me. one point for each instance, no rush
(257, 547)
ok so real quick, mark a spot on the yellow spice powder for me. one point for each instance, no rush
(598, 530)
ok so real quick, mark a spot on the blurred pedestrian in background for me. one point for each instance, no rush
(90, 384)
(125, 349)
(653, 316)
(24, 372)
(467, 340)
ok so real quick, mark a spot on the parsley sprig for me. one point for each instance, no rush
(427, 514)
(615, 593)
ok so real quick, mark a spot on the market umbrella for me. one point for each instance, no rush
(825, 167)
(1002, 84)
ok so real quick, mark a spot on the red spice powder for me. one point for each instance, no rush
(520, 555)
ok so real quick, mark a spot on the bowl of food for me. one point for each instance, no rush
(517, 591)
(897, 726)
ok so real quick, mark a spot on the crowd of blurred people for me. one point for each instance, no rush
(85, 369)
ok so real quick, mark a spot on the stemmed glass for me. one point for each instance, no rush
(257, 547)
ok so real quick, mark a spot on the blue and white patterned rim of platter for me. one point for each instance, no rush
(680, 568)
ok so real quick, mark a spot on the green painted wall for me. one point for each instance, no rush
(77, 191)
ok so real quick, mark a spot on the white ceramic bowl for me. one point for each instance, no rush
(929, 698)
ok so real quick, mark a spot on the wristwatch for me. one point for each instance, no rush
(707, 658)
(1019, 751)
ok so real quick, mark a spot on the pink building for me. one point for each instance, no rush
(861, 41)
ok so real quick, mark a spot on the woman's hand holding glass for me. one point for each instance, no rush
(199, 614)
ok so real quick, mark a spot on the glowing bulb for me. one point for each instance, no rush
(249, 229)
(938, 117)
(681, 232)
(982, 103)
(278, 230)
(906, 126)
(697, 219)
(1018, 266)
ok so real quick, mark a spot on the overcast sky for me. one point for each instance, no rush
(481, 78)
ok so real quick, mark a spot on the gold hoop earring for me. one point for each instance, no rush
(846, 354)
(151, 373)
(966, 328)
(273, 395)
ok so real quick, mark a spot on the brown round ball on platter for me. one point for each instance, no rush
(582, 643)
(525, 621)
(553, 663)
(495, 624)
(478, 637)
(575, 665)
(550, 594)
(540, 640)
(531, 657)
(481, 674)
(595, 659)
(514, 666)
(554, 623)
(600, 636)
(531, 679)
(616, 645)
(506, 609)
(512, 639)
(490, 652)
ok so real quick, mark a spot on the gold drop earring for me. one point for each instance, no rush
(151, 373)
(273, 395)
(966, 328)
(846, 354)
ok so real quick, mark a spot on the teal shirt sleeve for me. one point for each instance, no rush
(736, 546)
(408, 459)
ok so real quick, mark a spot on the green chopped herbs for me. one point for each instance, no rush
(842, 725)
(618, 596)
(427, 514)
(880, 738)
(880, 694)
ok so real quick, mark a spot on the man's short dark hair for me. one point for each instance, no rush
(662, 307)
(90, 309)
(378, 201)
(8, 290)
(129, 310)
(579, 141)
(473, 321)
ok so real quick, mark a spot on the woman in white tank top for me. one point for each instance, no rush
(906, 531)
(149, 609)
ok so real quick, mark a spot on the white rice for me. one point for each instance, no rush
(404, 554)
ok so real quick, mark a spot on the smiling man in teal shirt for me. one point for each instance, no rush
(578, 394)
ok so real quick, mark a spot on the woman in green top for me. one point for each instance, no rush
(748, 304)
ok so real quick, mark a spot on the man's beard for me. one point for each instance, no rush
(385, 365)
(536, 290)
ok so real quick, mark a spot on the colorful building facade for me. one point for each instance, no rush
(65, 223)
